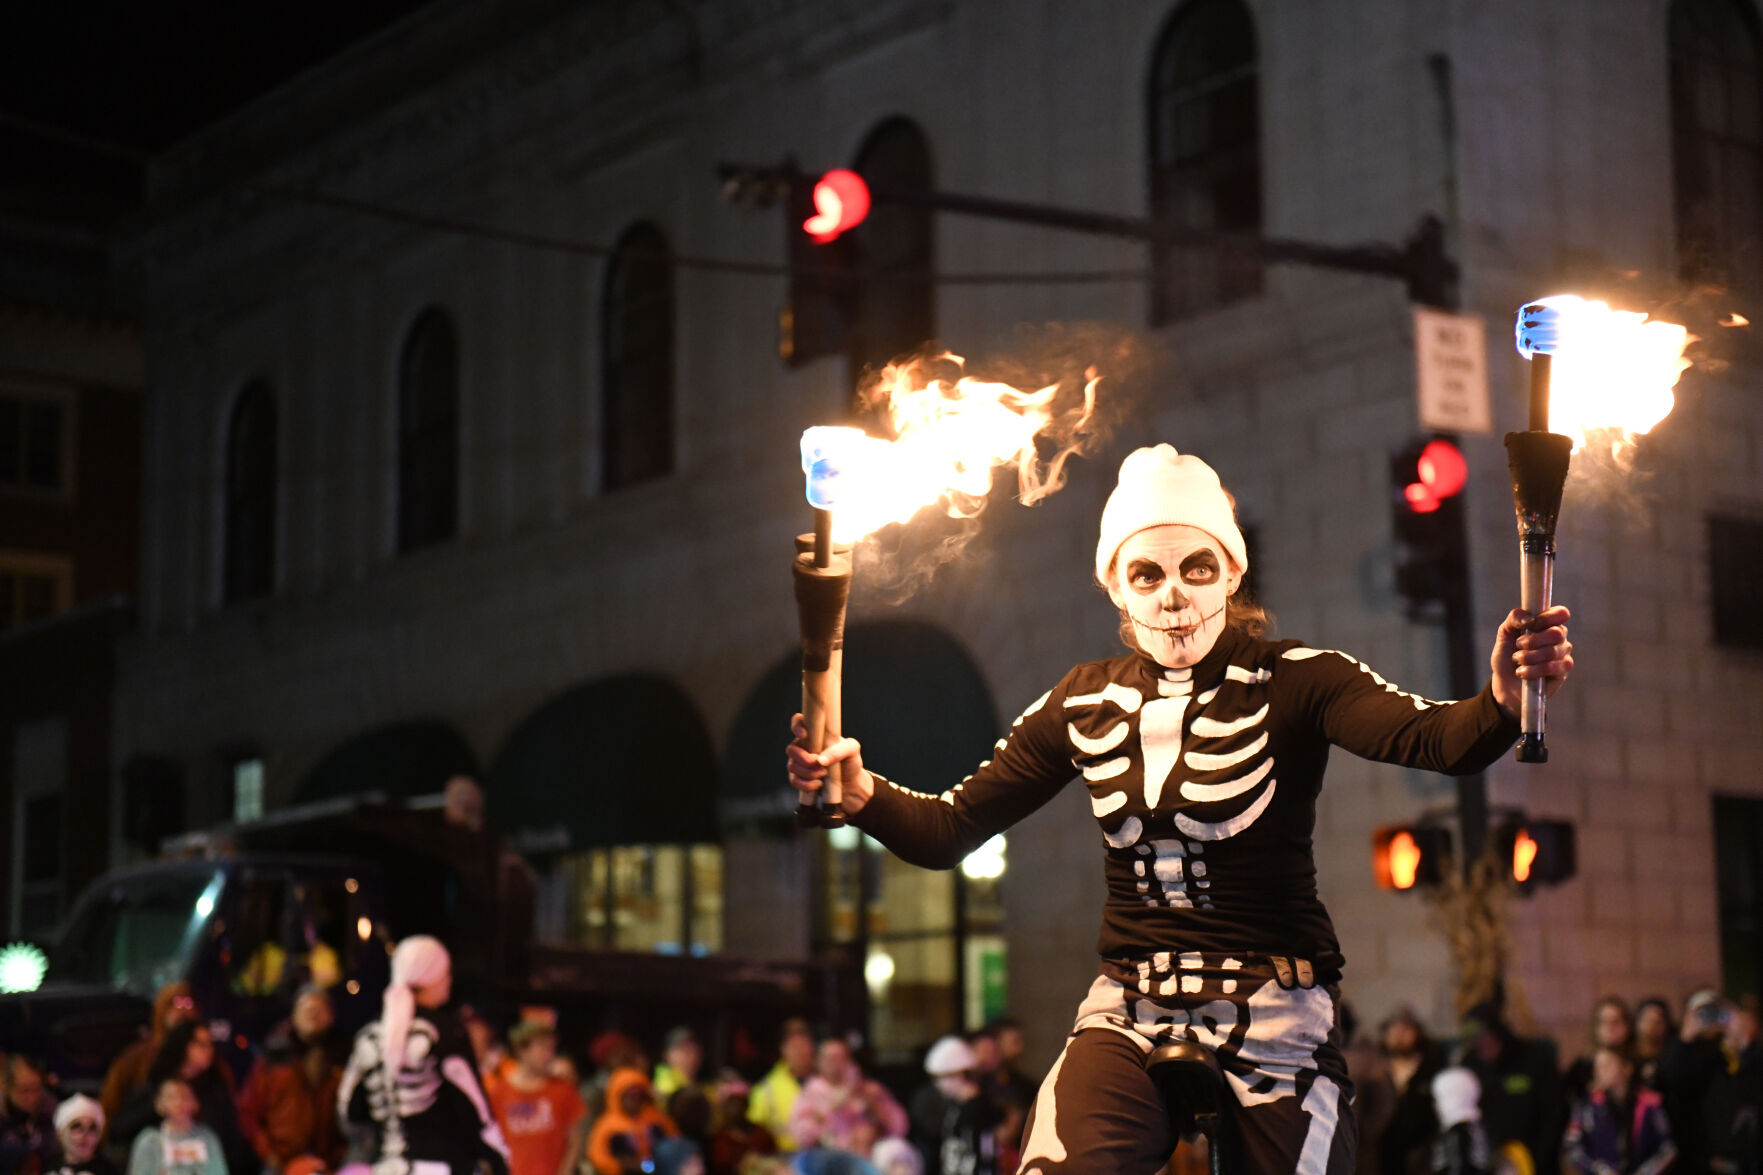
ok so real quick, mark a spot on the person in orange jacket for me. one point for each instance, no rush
(630, 1127)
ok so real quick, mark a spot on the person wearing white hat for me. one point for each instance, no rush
(413, 1077)
(1202, 751)
(79, 1128)
(1461, 1145)
(953, 1124)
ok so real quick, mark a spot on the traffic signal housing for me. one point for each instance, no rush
(1536, 852)
(1410, 856)
(823, 305)
(1427, 477)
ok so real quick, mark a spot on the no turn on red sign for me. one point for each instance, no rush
(1451, 369)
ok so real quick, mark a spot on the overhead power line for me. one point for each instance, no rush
(435, 222)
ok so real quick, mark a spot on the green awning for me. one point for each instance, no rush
(616, 761)
(403, 759)
(911, 694)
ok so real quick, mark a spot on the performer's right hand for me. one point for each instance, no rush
(808, 770)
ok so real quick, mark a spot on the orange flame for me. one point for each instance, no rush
(1614, 372)
(949, 437)
(1734, 318)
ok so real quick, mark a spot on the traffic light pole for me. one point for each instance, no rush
(1420, 262)
(1472, 790)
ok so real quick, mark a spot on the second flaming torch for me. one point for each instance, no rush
(1538, 459)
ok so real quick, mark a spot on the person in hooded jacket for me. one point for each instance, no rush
(630, 1126)
(172, 1006)
(412, 1076)
(1520, 1085)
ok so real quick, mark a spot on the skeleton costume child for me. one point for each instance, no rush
(1203, 755)
(412, 1076)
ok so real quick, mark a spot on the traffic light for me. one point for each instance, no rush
(817, 320)
(1410, 856)
(841, 201)
(1426, 481)
(1536, 852)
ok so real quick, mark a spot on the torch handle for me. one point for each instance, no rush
(1537, 567)
(815, 684)
(832, 811)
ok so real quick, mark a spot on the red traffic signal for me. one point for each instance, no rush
(1409, 856)
(841, 201)
(1438, 472)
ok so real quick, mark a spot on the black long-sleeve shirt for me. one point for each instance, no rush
(1204, 783)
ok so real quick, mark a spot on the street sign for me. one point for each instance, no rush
(1451, 370)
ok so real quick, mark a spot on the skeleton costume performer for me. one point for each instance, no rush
(413, 1077)
(1203, 755)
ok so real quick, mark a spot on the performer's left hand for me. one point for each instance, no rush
(1527, 648)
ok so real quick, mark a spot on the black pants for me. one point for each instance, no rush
(1098, 1112)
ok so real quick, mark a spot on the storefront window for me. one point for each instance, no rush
(932, 943)
(665, 899)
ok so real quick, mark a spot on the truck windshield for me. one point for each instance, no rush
(137, 933)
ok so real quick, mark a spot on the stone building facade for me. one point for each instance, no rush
(485, 164)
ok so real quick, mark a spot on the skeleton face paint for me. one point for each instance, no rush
(1173, 583)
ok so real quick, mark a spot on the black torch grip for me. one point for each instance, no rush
(1539, 462)
(821, 595)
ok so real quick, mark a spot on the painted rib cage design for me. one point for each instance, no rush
(1171, 774)
(395, 1093)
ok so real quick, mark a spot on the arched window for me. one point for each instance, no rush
(428, 433)
(1716, 140)
(249, 559)
(1204, 118)
(893, 251)
(637, 383)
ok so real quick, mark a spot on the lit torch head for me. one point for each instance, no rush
(1595, 372)
(949, 437)
(1611, 371)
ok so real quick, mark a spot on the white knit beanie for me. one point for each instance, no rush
(78, 1106)
(419, 961)
(1159, 486)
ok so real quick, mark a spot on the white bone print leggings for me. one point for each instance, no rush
(1272, 1028)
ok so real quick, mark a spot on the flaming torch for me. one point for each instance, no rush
(823, 587)
(949, 437)
(1595, 373)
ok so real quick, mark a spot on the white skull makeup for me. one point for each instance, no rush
(1173, 583)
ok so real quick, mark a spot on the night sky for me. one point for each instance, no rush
(143, 75)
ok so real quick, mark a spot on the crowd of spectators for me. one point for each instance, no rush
(1649, 1093)
(172, 1105)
